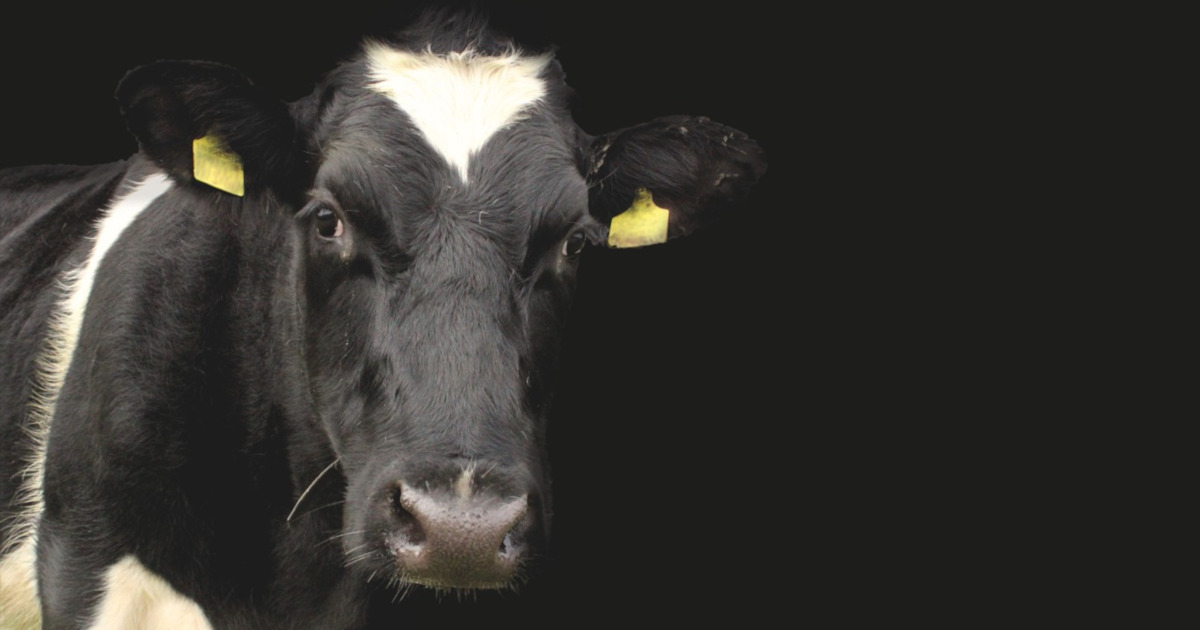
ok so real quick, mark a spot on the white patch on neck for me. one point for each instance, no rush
(19, 608)
(56, 356)
(457, 101)
(134, 598)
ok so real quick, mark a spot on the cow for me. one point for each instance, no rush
(293, 359)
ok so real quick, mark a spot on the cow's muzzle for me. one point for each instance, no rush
(456, 538)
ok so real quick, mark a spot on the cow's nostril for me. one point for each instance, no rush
(511, 543)
(407, 527)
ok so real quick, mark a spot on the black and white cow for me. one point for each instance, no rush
(291, 359)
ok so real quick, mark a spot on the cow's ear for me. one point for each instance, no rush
(669, 177)
(197, 117)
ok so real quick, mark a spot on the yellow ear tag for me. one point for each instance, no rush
(216, 166)
(642, 224)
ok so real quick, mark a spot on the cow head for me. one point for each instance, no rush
(442, 199)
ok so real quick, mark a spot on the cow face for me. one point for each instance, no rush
(441, 238)
(442, 198)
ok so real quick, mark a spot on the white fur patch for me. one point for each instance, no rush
(16, 569)
(19, 609)
(465, 485)
(136, 599)
(458, 101)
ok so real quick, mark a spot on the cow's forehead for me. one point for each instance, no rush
(458, 101)
(479, 135)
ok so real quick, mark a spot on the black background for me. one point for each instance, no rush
(693, 445)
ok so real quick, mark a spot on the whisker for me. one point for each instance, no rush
(317, 509)
(310, 487)
(349, 551)
(334, 537)
(359, 558)
(400, 589)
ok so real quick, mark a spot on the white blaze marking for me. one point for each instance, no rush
(136, 599)
(457, 101)
(17, 590)
(465, 484)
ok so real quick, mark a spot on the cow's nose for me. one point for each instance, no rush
(457, 540)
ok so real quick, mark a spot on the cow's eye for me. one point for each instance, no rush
(574, 244)
(329, 224)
